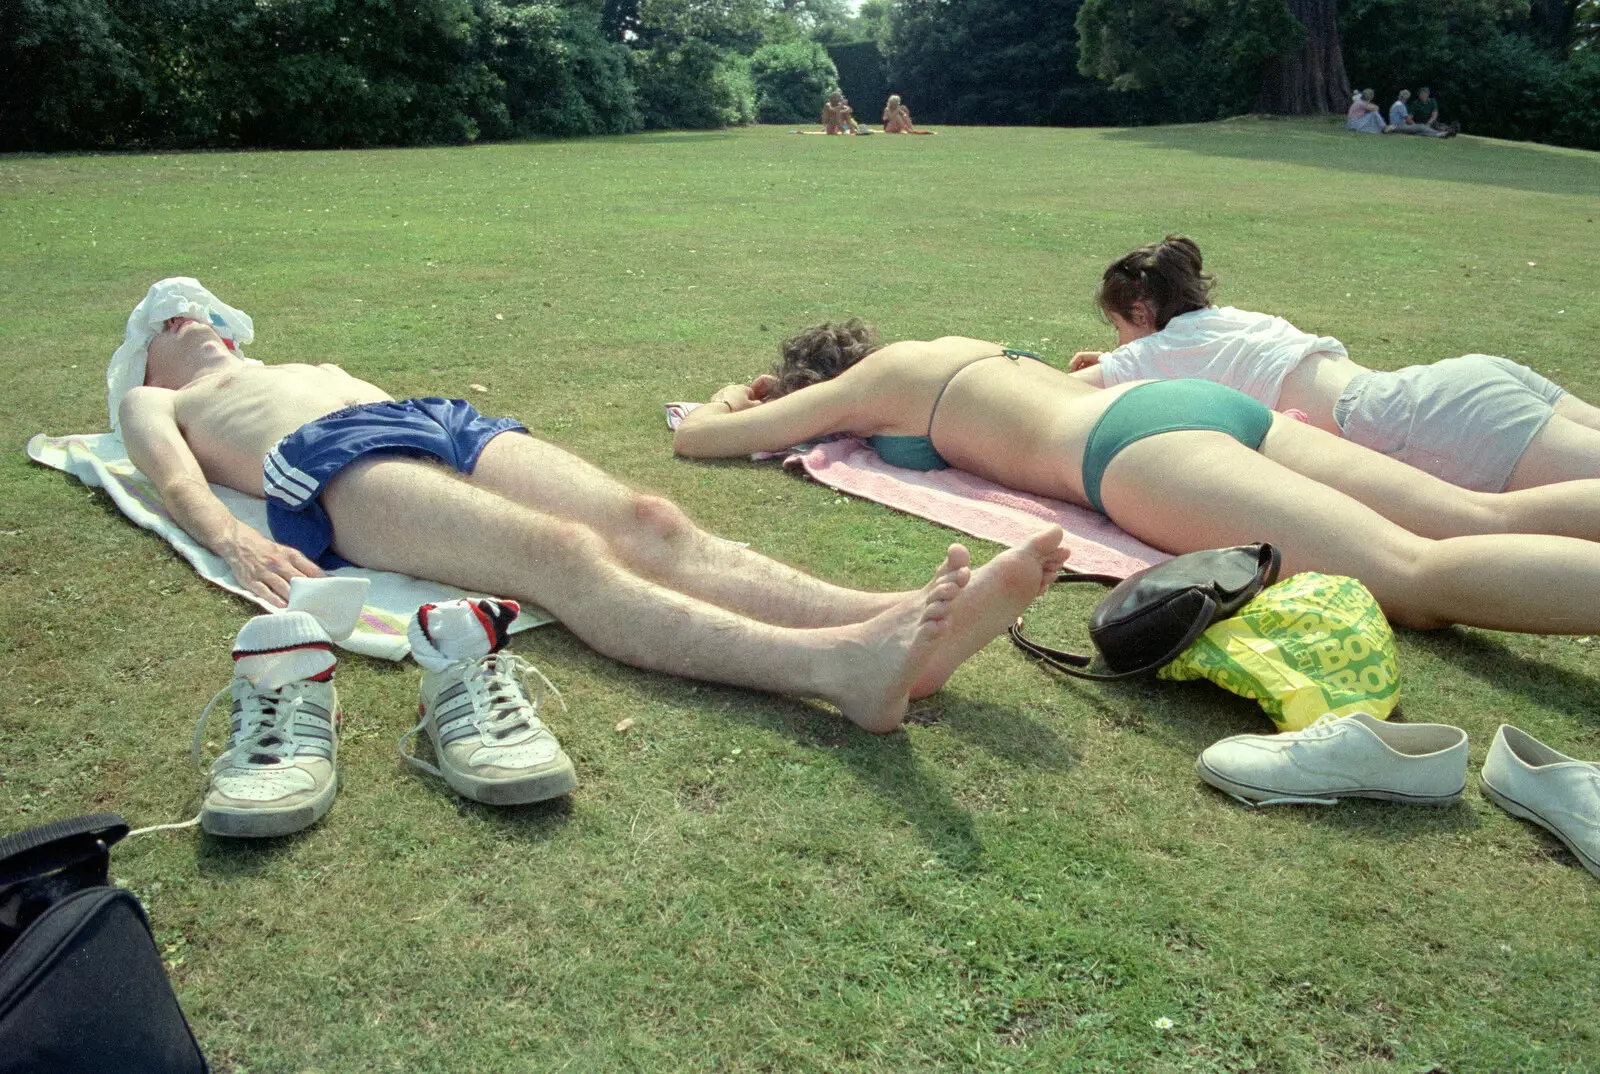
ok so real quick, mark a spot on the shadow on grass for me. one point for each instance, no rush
(531, 823)
(890, 765)
(1515, 165)
(1489, 660)
(232, 858)
(1004, 732)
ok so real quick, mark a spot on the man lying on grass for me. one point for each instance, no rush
(428, 487)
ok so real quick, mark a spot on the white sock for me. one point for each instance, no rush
(273, 650)
(459, 630)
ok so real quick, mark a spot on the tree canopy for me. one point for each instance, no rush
(175, 73)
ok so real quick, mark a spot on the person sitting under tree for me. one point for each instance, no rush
(1364, 116)
(896, 117)
(1425, 111)
(833, 114)
(1400, 121)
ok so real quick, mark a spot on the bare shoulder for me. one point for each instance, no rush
(145, 401)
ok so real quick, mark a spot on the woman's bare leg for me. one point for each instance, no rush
(413, 516)
(1187, 491)
(1564, 450)
(1572, 408)
(1424, 504)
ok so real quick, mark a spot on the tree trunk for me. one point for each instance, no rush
(1312, 80)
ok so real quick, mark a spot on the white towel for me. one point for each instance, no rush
(100, 461)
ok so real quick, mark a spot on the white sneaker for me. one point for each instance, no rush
(487, 735)
(277, 775)
(1530, 780)
(1355, 756)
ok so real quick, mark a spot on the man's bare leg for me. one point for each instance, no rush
(655, 539)
(412, 516)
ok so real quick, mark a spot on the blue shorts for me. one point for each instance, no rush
(296, 470)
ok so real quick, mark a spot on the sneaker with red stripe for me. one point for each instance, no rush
(475, 707)
(278, 773)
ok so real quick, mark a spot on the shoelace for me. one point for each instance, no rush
(263, 716)
(268, 714)
(498, 689)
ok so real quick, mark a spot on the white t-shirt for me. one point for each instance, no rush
(1252, 352)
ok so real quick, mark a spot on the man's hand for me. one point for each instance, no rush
(265, 567)
(1083, 360)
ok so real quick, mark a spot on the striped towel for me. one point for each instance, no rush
(100, 461)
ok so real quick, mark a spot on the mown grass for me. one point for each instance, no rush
(1031, 878)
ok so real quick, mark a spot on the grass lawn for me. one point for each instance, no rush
(1032, 880)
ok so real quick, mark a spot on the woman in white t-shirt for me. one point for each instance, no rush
(1478, 421)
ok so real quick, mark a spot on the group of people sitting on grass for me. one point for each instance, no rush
(1458, 492)
(839, 118)
(1406, 115)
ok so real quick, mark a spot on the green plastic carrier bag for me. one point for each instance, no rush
(1309, 645)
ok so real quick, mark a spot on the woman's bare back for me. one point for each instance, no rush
(1016, 421)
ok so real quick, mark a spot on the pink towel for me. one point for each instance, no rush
(963, 501)
(975, 506)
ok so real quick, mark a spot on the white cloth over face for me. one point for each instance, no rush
(1252, 352)
(179, 296)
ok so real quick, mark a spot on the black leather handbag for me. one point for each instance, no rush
(1152, 616)
(82, 987)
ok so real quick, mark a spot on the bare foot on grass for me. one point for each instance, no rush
(986, 607)
(882, 657)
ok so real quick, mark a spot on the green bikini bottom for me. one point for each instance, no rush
(1169, 406)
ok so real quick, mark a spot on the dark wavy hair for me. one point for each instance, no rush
(820, 353)
(1166, 276)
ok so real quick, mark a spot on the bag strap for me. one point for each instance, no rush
(1268, 559)
(1075, 665)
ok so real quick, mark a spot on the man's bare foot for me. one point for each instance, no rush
(999, 592)
(881, 658)
(957, 567)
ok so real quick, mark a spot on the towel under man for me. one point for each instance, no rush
(431, 489)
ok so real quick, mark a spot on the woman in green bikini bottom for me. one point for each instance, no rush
(1183, 465)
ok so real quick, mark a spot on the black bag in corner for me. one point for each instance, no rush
(1152, 616)
(82, 987)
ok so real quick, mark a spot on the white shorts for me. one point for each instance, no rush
(1467, 420)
